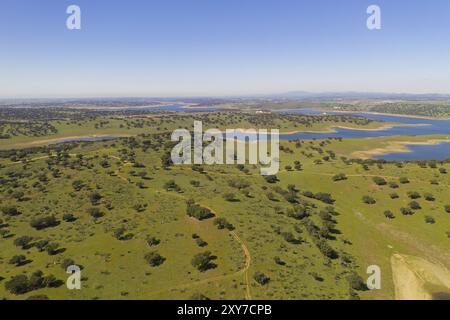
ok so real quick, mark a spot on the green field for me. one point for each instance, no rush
(306, 235)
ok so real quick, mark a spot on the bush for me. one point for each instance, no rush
(21, 284)
(41, 245)
(368, 200)
(279, 261)
(430, 220)
(78, 185)
(404, 180)
(326, 250)
(388, 214)
(95, 213)
(23, 242)
(44, 222)
(414, 195)
(67, 263)
(53, 249)
(271, 179)
(18, 285)
(222, 223)
(447, 208)
(393, 185)
(18, 260)
(261, 278)
(198, 212)
(95, 198)
(415, 205)
(407, 211)
(154, 259)
(203, 261)
(429, 197)
(356, 282)
(152, 241)
(379, 181)
(68, 217)
(10, 211)
(339, 177)
(394, 195)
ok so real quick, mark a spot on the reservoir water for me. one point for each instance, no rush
(416, 127)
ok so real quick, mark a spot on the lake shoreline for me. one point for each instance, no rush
(395, 147)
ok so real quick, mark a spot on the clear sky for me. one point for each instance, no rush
(222, 47)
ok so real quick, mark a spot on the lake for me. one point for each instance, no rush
(416, 127)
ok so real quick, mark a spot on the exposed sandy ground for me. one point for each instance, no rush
(333, 129)
(394, 146)
(61, 139)
(418, 279)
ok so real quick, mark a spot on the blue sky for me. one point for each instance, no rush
(222, 47)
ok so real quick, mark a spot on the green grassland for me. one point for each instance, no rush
(309, 246)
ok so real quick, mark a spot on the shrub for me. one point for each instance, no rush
(203, 261)
(394, 195)
(379, 181)
(18, 285)
(414, 195)
(326, 249)
(154, 259)
(407, 211)
(356, 282)
(222, 223)
(44, 222)
(447, 208)
(261, 278)
(414, 205)
(53, 249)
(430, 220)
(23, 242)
(393, 185)
(10, 211)
(404, 180)
(388, 214)
(198, 212)
(152, 241)
(95, 213)
(429, 197)
(95, 198)
(21, 284)
(41, 245)
(279, 261)
(18, 260)
(67, 263)
(77, 185)
(271, 179)
(68, 217)
(339, 177)
(368, 200)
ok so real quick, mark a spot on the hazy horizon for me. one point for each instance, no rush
(213, 49)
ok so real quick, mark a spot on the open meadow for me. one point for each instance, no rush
(141, 227)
